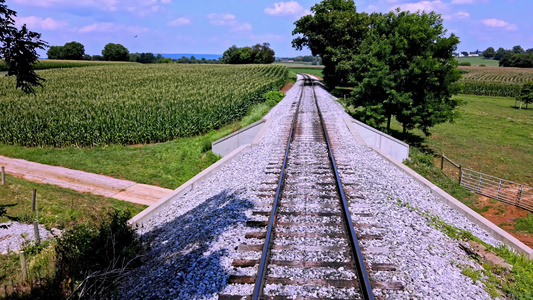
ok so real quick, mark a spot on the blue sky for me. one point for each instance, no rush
(210, 27)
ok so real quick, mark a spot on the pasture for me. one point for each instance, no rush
(479, 60)
(131, 104)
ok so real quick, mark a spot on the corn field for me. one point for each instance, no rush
(131, 104)
(44, 64)
(494, 81)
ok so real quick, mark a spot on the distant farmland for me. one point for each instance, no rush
(131, 104)
(494, 81)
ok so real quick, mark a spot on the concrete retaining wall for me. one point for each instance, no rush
(241, 137)
(386, 143)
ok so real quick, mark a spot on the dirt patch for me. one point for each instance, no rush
(287, 87)
(504, 216)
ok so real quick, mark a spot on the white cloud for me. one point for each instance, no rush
(179, 22)
(462, 15)
(228, 20)
(38, 23)
(463, 1)
(291, 8)
(426, 6)
(242, 27)
(496, 23)
(107, 27)
(222, 19)
(108, 5)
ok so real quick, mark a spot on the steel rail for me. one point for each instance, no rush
(364, 282)
(260, 280)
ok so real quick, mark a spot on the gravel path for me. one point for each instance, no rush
(194, 241)
(12, 238)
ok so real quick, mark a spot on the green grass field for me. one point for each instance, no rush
(479, 60)
(490, 136)
(58, 207)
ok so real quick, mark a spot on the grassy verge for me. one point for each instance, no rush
(58, 207)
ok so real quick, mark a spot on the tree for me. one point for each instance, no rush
(334, 32)
(72, 50)
(54, 52)
(526, 94)
(406, 70)
(18, 50)
(465, 53)
(400, 64)
(530, 50)
(500, 53)
(518, 49)
(115, 52)
(522, 60)
(489, 53)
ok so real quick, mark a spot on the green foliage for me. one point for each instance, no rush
(72, 50)
(257, 54)
(489, 53)
(274, 97)
(18, 50)
(115, 52)
(465, 63)
(86, 250)
(334, 32)
(517, 60)
(134, 104)
(406, 69)
(526, 93)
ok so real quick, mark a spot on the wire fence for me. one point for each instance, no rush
(503, 190)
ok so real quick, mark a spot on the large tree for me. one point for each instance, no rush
(400, 64)
(72, 50)
(334, 32)
(115, 52)
(489, 53)
(406, 70)
(18, 50)
(257, 54)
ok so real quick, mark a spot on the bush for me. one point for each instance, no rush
(91, 259)
(465, 63)
(274, 97)
(482, 65)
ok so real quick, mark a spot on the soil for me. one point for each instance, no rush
(504, 216)
(287, 87)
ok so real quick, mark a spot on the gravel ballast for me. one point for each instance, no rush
(194, 240)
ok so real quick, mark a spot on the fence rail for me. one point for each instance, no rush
(503, 190)
(500, 189)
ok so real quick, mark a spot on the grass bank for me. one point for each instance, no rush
(479, 60)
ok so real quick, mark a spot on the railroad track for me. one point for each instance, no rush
(308, 247)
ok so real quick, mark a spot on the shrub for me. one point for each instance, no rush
(274, 97)
(91, 259)
(465, 63)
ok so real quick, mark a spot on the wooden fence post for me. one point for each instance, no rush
(442, 162)
(23, 265)
(36, 220)
(460, 175)
(3, 175)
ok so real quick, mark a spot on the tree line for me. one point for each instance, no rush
(399, 64)
(516, 57)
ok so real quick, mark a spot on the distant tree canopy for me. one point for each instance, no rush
(18, 50)
(400, 64)
(489, 53)
(521, 60)
(257, 54)
(72, 50)
(115, 52)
